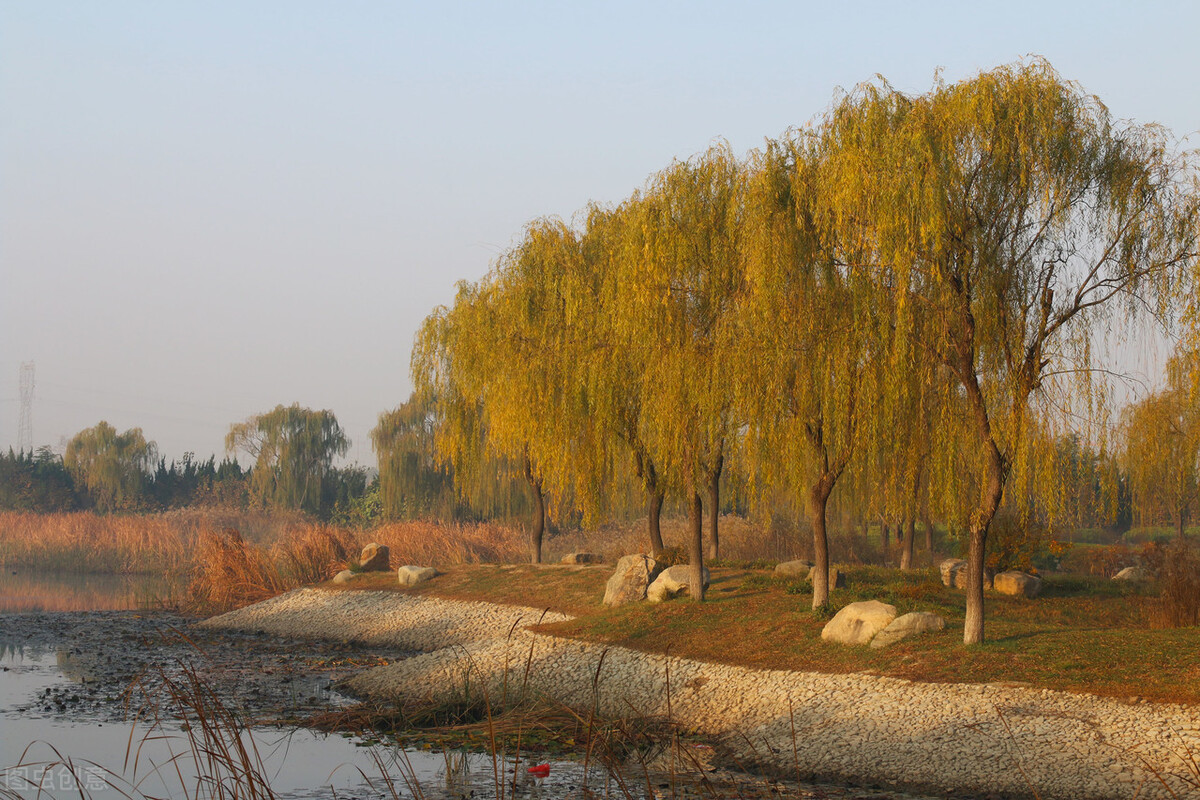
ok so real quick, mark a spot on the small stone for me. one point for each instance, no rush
(1018, 584)
(343, 576)
(410, 575)
(793, 569)
(837, 579)
(582, 558)
(949, 568)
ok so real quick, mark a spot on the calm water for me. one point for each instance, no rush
(26, 591)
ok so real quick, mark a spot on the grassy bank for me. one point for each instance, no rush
(1082, 634)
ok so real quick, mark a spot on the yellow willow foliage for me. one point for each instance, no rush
(674, 312)
(1162, 447)
(1008, 218)
(503, 363)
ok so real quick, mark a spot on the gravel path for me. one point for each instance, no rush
(944, 738)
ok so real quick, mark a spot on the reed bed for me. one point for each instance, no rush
(430, 543)
(152, 544)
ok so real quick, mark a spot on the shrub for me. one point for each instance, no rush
(1178, 574)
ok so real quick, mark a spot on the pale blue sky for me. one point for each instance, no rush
(207, 209)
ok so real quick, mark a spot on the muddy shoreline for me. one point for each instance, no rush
(104, 653)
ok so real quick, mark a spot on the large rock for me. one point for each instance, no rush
(375, 558)
(1132, 574)
(629, 581)
(837, 580)
(673, 581)
(1018, 584)
(344, 576)
(410, 575)
(582, 558)
(858, 623)
(950, 568)
(793, 569)
(908, 625)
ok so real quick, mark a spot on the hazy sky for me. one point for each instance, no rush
(210, 208)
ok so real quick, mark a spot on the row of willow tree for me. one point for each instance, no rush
(906, 300)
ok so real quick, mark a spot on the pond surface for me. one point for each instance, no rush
(28, 591)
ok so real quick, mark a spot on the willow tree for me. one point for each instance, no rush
(113, 466)
(412, 480)
(1012, 217)
(808, 324)
(500, 362)
(614, 374)
(676, 307)
(293, 450)
(1162, 447)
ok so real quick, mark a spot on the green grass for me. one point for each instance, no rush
(1082, 634)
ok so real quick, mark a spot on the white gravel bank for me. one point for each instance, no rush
(959, 738)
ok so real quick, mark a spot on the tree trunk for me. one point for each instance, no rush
(696, 548)
(714, 509)
(1180, 524)
(539, 522)
(654, 504)
(928, 537)
(906, 553)
(819, 498)
(539, 510)
(994, 493)
(886, 538)
(866, 530)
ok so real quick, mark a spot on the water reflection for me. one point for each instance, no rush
(30, 591)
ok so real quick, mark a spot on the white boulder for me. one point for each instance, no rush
(908, 625)
(630, 580)
(674, 581)
(858, 622)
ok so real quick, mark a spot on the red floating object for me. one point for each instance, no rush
(540, 771)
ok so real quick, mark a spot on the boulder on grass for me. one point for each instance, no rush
(1132, 574)
(344, 576)
(958, 576)
(858, 623)
(582, 558)
(629, 582)
(375, 558)
(410, 575)
(674, 581)
(793, 569)
(949, 568)
(837, 580)
(908, 625)
(1018, 584)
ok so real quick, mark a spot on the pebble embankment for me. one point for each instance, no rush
(933, 738)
